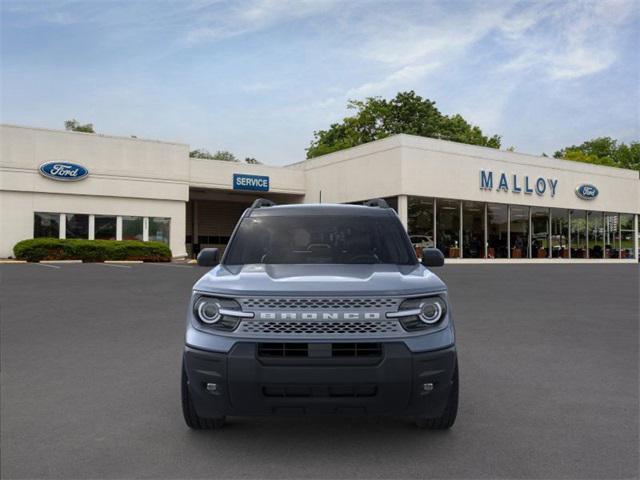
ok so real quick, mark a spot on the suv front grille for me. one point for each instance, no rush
(318, 303)
(320, 328)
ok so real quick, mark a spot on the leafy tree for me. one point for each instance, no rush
(75, 126)
(377, 118)
(604, 151)
(252, 161)
(219, 155)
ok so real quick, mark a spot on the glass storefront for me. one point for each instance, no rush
(465, 229)
(519, 236)
(626, 236)
(448, 227)
(595, 238)
(473, 241)
(578, 234)
(611, 235)
(77, 226)
(132, 228)
(420, 223)
(497, 230)
(540, 247)
(559, 233)
(46, 225)
(159, 229)
(105, 227)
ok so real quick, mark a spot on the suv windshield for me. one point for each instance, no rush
(339, 239)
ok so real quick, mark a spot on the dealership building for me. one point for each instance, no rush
(473, 203)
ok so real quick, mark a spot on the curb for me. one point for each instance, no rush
(9, 262)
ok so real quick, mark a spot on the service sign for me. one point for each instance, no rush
(63, 171)
(254, 183)
(586, 191)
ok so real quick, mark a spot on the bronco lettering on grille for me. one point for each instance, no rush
(318, 316)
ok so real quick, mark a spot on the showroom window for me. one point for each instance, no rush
(519, 231)
(132, 228)
(497, 230)
(448, 227)
(77, 226)
(159, 229)
(106, 227)
(473, 241)
(611, 234)
(420, 222)
(596, 234)
(560, 233)
(578, 234)
(46, 225)
(626, 236)
(539, 232)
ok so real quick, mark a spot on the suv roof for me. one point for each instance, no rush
(319, 209)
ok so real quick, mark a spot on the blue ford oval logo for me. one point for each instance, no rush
(64, 171)
(586, 191)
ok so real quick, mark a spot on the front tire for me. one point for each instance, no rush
(191, 417)
(448, 417)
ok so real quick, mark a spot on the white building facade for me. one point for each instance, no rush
(470, 202)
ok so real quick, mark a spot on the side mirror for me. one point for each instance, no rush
(208, 257)
(432, 257)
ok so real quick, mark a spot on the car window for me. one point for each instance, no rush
(339, 239)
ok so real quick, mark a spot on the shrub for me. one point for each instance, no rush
(36, 249)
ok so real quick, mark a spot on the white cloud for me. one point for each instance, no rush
(400, 79)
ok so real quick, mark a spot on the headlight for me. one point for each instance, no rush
(431, 310)
(208, 310)
(219, 313)
(420, 313)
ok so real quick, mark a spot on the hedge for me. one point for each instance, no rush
(36, 249)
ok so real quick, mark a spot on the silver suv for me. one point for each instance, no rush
(319, 309)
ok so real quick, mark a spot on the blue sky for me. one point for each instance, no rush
(258, 77)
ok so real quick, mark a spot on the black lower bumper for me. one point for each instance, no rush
(386, 380)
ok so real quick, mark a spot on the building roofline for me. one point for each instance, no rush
(117, 137)
(431, 144)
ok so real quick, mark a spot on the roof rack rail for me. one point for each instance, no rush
(376, 202)
(262, 202)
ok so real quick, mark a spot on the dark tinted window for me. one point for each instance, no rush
(46, 225)
(77, 226)
(105, 227)
(340, 239)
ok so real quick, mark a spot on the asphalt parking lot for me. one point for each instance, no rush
(90, 373)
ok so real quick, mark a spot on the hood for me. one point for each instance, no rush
(312, 279)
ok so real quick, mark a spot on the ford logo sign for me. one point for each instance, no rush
(63, 171)
(586, 191)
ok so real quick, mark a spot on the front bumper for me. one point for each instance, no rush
(393, 381)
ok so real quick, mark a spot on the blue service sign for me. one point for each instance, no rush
(586, 191)
(250, 182)
(63, 171)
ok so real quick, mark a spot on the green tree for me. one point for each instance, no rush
(219, 155)
(604, 151)
(377, 118)
(74, 126)
(252, 161)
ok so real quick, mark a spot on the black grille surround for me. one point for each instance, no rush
(319, 350)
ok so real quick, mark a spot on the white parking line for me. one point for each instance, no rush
(170, 265)
(46, 265)
(113, 265)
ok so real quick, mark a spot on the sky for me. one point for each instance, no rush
(258, 77)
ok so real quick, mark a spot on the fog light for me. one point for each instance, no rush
(427, 387)
(212, 387)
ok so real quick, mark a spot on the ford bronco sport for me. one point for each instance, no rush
(319, 309)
